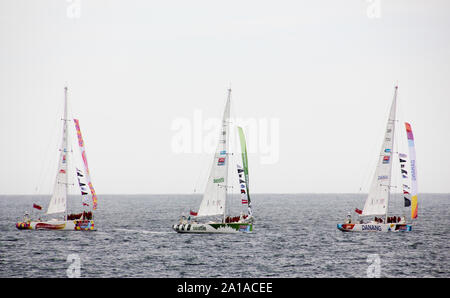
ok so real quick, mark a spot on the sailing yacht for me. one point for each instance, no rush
(216, 193)
(58, 203)
(377, 201)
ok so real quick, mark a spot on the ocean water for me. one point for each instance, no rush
(294, 236)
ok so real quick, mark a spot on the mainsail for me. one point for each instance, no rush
(58, 200)
(377, 200)
(245, 195)
(214, 197)
(412, 157)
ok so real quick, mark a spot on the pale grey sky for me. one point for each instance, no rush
(325, 71)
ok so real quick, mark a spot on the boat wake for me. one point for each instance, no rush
(142, 231)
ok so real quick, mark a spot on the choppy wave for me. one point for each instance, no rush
(294, 236)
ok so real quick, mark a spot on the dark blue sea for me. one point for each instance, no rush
(294, 236)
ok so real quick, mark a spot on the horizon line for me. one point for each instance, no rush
(259, 193)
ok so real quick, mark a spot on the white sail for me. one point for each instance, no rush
(58, 201)
(214, 197)
(378, 198)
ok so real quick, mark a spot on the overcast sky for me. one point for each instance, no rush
(313, 81)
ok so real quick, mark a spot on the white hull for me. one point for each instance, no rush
(68, 225)
(374, 227)
(216, 228)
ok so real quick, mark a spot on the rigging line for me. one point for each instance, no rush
(401, 141)
(71, 139)
(206, 168)
(49, 155)
(45, 164)
(372, 164)
(210, 165)
(236, 158)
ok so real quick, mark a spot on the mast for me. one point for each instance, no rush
(58, 201)
(65, 142)
(393, 112)
(227, 120)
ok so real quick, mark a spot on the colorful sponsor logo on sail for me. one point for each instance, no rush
(388, 150)
(223, 152)
(221, 161)
(409, 131)
(414, 206)
(219, 180)
(412, 154)
(80, 138)
(86, 167)
(384, 177)
(407, 202)
(386, 159)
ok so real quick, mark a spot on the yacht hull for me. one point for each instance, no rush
(68, 225)
(374, 227)
(213, 228)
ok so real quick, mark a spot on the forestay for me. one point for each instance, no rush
(214, 197)
(378, 197)
(58, 201)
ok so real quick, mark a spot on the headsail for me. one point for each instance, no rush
(403, 158)
(59, 198)
(412, 155)
(58, 201)
(214, 197)
(83, 189)
(245, 195)
(85, 163)
(377, 200)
